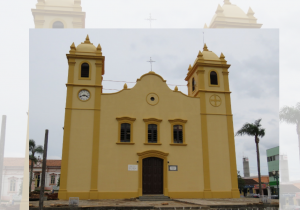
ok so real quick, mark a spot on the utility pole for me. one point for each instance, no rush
(2, 145)
(41, 203)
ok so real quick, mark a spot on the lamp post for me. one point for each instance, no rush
(276, 176)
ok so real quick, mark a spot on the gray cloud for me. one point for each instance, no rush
(127, 53)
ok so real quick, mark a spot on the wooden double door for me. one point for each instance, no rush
(153, 175)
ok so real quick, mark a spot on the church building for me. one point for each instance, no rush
(58, 14)
(149, 139)
(232, 16)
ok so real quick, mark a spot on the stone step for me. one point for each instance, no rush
(154, 198)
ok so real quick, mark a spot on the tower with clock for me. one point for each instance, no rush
(149, 139)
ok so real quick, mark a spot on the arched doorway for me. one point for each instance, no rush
(58, 24)
(153, 178)
(160, 164)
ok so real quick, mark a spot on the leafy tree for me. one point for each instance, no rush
(241, 182)
(291, 115)
(254, 129)
(21, 188)
(33, 149)
(58, 182)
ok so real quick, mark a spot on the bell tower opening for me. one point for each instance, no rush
(58, 24)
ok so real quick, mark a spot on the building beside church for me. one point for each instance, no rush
(52, 174)
(12, 178)
(148, 139)
(231, 16)
(58, 14)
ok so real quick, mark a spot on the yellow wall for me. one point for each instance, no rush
(114, 158)
(79, 172)
(218, 153)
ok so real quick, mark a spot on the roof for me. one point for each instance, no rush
(13, 162)
(51, 162)
(250, 181)
(288, 188)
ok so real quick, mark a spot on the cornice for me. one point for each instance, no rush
(82, 85)
(211, 91)
(152, 120)
(94, 57)
(126, 118)
(149, 152)
(57, 12)
(151, 73)
(177, 120)
(203, 64)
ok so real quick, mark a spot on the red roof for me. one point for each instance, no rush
(13, 161)
(51, 162)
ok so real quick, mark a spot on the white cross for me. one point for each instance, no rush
(150, 19)
(151, 61)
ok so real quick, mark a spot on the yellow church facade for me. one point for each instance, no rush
(149, 139)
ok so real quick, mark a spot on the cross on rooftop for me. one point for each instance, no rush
(151, 61)
(150, 19)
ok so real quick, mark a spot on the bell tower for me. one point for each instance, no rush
(207, 79)
(58, 14)
(82, 120)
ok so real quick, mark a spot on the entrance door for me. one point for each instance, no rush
(153, 175)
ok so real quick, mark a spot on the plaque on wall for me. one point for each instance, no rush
(132, 167)
(173, 168)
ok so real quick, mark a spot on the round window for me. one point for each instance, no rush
(152, 99)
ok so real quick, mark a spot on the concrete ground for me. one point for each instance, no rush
(117, 202)
(174, 203)
(225, 201)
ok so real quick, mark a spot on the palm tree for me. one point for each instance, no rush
(291, 115)
(255, 130)
(33, 149)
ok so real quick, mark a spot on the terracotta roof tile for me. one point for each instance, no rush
(13, 161)
(51, 162)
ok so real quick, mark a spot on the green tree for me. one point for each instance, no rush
(291, 115)
(254, 129)
(33, 149)
(21, 188)
(58, 182)
(241, 182)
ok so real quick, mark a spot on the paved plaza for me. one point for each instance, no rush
(174, 203)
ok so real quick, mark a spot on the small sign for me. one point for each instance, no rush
(73, 201)
(132, 167)
(173, 168)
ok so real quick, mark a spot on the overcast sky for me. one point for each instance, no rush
(16, 19)
(254, 74)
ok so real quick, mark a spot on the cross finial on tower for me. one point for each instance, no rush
(151, 61)
(150, 19)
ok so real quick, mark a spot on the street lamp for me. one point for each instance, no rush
(276, 176)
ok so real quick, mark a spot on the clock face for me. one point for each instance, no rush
(84, 95)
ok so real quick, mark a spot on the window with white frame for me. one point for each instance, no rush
(52, 179)
(12, 187)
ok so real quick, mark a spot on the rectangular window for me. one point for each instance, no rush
(52, 179)
(177, 134)
(12, 185)
(152, 133)
(125, 132)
